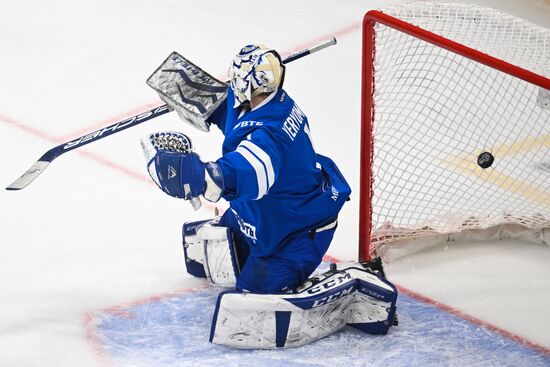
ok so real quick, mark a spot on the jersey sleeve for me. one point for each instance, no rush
(251, 170)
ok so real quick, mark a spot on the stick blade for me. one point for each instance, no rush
(29, 176)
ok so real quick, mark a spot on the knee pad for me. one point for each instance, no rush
(209, 252)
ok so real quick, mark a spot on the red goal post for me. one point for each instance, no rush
(369, 118)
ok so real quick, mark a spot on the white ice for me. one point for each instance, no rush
(93, 232)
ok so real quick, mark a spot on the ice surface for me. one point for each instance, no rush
(173, 331)
(93, 232)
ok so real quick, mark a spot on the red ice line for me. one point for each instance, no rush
(111, 120)
(43, 135)
(89, 319)
(344, 31)
(126, 171)
(474, 320)
(38, 133)
(90, 322)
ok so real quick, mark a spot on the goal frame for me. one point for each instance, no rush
(367, 106)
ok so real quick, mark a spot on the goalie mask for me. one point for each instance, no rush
(255, 70)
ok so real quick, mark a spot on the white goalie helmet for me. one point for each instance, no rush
(256, 69)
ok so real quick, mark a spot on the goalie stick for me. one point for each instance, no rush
(39, 166)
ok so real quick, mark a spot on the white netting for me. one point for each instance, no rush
(435, 112)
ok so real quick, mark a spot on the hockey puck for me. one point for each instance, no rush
(485, 160)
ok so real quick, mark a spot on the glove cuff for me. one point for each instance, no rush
(213, 181)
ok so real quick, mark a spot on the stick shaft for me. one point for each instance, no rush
(36, 169)
(106, 131)
(309, 51)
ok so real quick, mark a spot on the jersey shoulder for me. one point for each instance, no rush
(278, 108)
(282, 117)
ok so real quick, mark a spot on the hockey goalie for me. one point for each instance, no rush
(284, 201)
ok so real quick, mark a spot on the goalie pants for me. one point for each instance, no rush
(288, 267)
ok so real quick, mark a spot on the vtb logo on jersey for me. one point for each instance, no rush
(246, 228)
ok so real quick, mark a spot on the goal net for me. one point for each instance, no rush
(455, 126)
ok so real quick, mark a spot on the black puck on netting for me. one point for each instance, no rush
(485, 160)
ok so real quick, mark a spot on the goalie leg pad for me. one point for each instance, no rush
(209, 251)
(220, 258)
(322, 306)
(193, 249)
(371, 312)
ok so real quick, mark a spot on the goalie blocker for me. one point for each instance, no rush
(353, 294)
(190, 91)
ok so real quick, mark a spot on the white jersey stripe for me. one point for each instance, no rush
(259, 168)
(264, 157)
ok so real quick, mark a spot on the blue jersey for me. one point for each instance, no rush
(274, 181)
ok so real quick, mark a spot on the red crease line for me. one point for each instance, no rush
(90, 320)
(474, 320)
